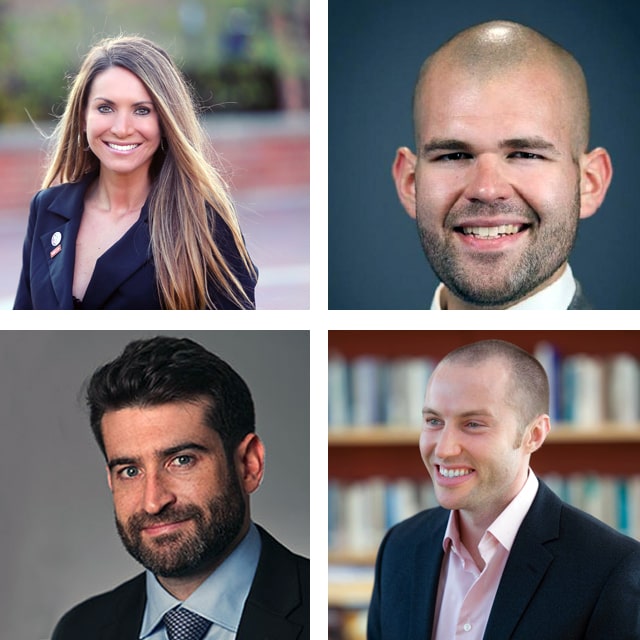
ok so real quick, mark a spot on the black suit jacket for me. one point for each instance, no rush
(277, 607)
(568, 577)
(124, 276)
(579, 301)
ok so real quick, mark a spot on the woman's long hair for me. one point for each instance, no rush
(185, 186)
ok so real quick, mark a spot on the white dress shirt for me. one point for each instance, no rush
(558, 295)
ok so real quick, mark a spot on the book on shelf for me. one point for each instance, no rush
(549, 357)
(362, 512)
(585, 390)
(369, 390)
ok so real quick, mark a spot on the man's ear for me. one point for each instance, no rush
(109, 479)
(404, 175)
(250, 462)
(595, 177)
(537, 433)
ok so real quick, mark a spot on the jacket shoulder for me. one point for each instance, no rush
(413, 529)
(63, 195)
(404, 540)
(586, 533)
(48, 195)
(595, 536)
(279, 600)
(579, 300)
(290, 569)
(88, 617)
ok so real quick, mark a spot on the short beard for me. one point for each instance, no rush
(537, 264)
(180, 554)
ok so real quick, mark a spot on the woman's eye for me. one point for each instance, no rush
(104, 108)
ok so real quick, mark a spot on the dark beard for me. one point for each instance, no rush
(537, 264)
(179, 554)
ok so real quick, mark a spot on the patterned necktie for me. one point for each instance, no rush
(183, 624)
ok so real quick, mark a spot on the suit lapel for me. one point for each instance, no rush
(275, 594)
(262, 624)
(60, 250)
(528, 562)
(129, 611)
(579, 301)
(425, 578)
(129, 254)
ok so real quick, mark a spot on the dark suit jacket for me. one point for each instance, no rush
(277, 607)
(579, 301)
(568, 577)
(124, 276)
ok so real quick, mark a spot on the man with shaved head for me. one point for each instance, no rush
(502, 557)
(501, 174)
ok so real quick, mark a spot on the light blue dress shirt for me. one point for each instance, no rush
(220, 598)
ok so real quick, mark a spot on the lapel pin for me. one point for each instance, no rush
(54, 252)
(56, 238)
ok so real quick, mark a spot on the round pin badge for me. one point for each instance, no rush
(56, 238)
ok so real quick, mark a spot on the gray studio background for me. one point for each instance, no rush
(58, 539)
(375, 50)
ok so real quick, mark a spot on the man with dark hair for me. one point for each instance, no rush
(501, 173)
(176, 426)
(502, 557)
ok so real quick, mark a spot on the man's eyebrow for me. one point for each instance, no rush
(430, 411)
(193, 446)
(452, 144)
(464, 414)
(445, 144)
(122, 461)
(164, 453)
(535, 142)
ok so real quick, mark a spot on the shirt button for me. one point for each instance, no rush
(467, 627)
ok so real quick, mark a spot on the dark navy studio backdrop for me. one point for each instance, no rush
(375, 50)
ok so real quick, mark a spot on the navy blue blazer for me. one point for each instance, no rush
(579, 301)
(568, 577)
(124, 275)
(277, 607)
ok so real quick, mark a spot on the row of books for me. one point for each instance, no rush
(586, 390)
(361, 512)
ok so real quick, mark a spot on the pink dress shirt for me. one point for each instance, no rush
(466, 594)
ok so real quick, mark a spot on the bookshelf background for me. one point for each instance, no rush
(594, 464)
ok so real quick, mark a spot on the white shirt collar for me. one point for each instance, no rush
(558, 295)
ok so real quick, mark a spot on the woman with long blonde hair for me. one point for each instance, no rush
(138, 217)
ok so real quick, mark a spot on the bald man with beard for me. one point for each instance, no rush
(501, 174)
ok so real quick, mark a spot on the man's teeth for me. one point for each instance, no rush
(454, 473)
(491, 232)
(122, 147)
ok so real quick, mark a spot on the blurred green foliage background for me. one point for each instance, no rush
(240, 55)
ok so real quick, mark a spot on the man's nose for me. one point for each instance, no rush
(487, 180)
(448, 445)
(157, 494)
